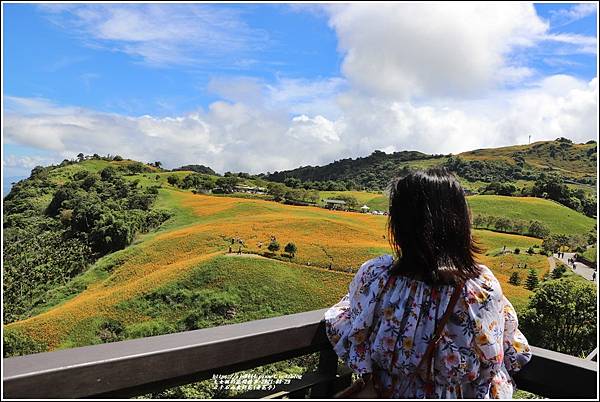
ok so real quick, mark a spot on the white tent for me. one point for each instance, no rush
(364, 208)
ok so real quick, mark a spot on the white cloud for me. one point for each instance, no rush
(576, 12)
(408, 50)
(160, 34)
(313, 130)
(429, 77)
(579, 43)
(25, 162)
(240, 136)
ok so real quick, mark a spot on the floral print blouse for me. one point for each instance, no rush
(383, 327)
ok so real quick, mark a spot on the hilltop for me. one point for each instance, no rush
(574, 162)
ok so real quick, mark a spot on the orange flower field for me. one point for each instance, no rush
(342, 240)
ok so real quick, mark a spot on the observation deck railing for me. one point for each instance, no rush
(140, 366)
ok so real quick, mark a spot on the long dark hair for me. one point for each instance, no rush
(429, 228)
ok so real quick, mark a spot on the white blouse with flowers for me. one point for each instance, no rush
(383, 327)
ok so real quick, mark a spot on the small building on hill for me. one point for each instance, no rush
(335, 204)
(364, 209)
(242, 188)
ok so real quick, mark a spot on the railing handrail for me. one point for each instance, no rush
(139, 366)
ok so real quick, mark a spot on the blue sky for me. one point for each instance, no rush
(232, 85)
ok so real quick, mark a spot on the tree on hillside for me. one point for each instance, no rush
(292, 182)
(227, 184)
(277, 190)
(174, 180)
(503, 224)
(518, 226)
(158, 164)
(561, 316)
(489, 220)
(500, 188)
(291, 248)
(80, 156)
(538, 229)
(273, 246)
(554, 243)
(478, 220)
(515, 279)
(532, 280)
(559, 271)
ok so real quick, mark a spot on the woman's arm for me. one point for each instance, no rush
(516, 348)
(348, 323)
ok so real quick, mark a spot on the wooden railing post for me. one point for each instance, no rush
(328, 365)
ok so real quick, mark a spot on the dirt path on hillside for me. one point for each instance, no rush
(250, 255)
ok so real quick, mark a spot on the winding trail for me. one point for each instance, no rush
(251, 255)
(577, 267)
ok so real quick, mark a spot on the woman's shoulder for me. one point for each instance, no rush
(376, 266)
(486, 283)
(372, 270)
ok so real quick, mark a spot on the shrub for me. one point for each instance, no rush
(17, 343)
(291, 248)
(110, 331)
(532, 280)
(517, 250)
(515, 279)
(273, 246)
(173, 180)
(558, 271)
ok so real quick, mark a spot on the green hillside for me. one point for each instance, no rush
(558, 218)
(571, 160)
(575, 162)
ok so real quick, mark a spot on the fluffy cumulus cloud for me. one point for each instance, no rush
(429, 77)
(238, 136)
(433, 49)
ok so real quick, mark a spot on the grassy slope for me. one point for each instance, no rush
(558, 218)
(200, 232)
(537, 155)
(591, 253)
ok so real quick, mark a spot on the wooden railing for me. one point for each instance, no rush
(141, 366)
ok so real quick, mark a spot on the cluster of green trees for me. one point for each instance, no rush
(197, 169)
(577, 243)
(373, 172)
(328, 185)
(531, 281)
(499, 188)
(552, 186)
(561, 316)
(290, 248)
(281, 192)
(507, 225)
(47, 244)
(200, 182)
(488, 170)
